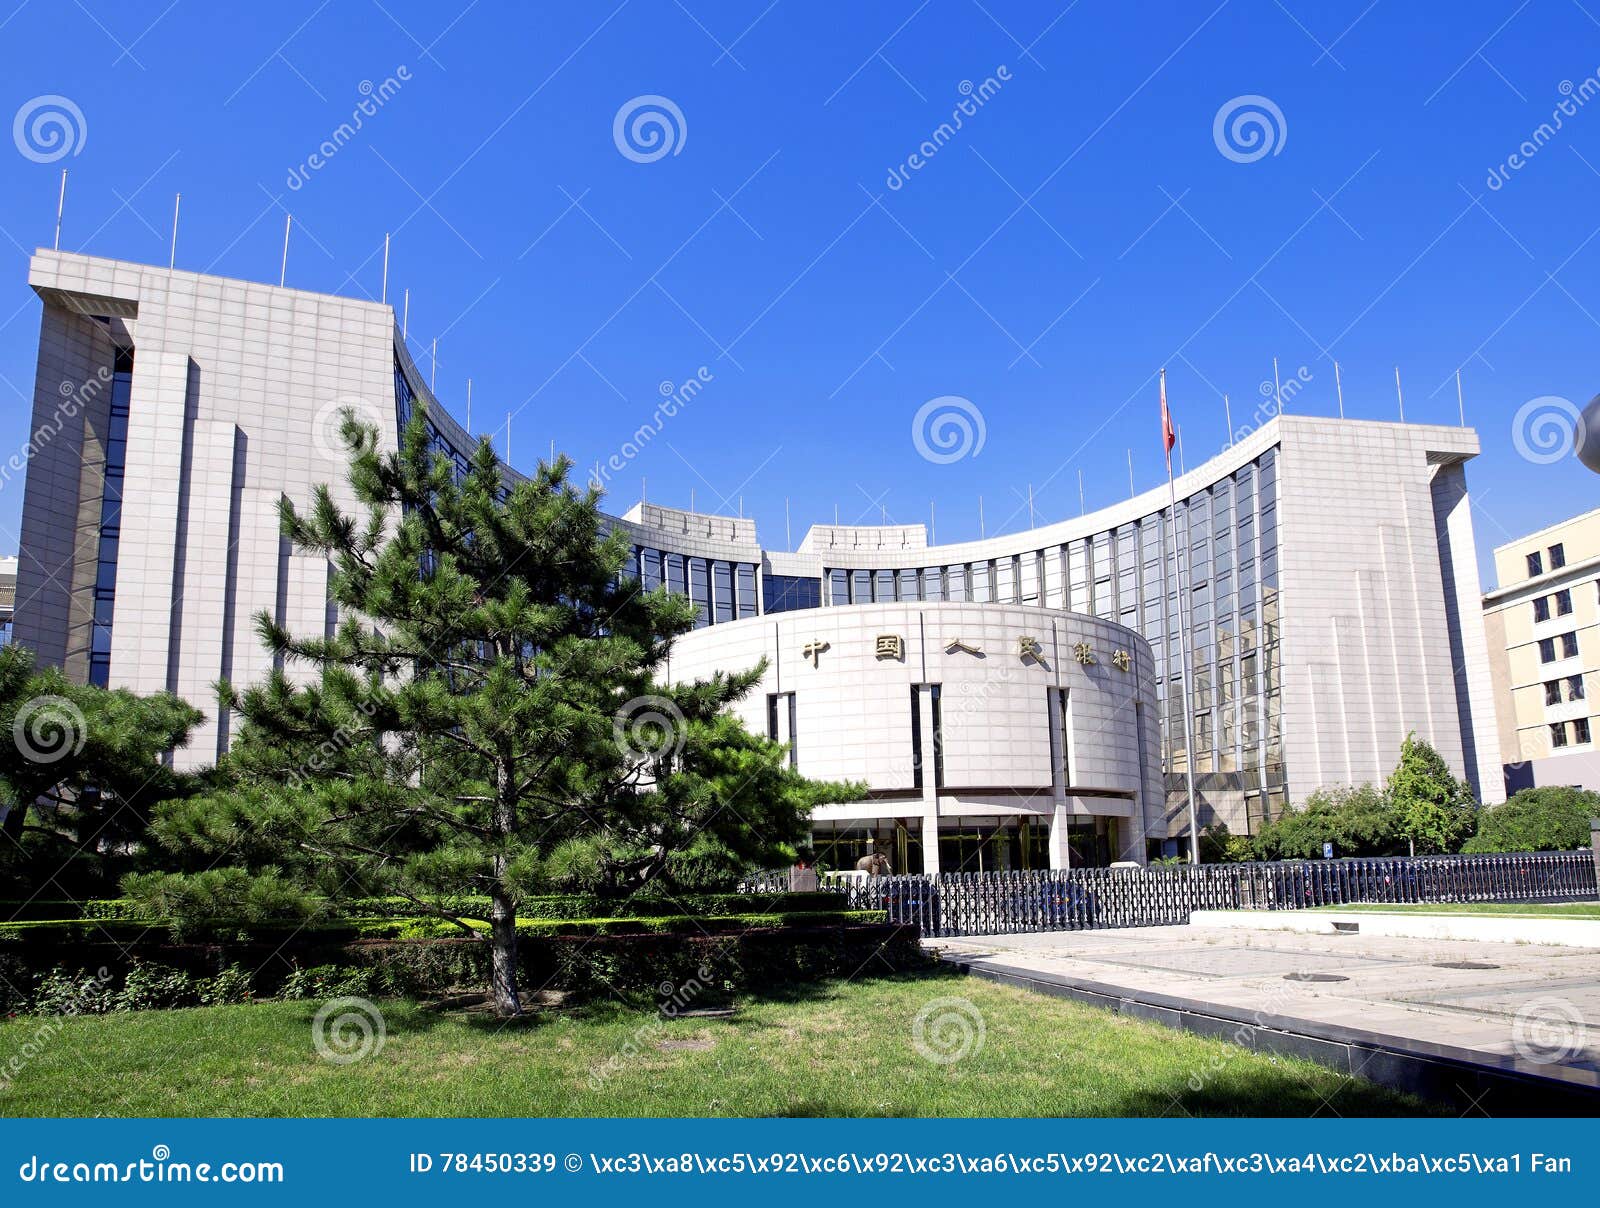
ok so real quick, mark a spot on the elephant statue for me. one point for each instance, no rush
(875, 865)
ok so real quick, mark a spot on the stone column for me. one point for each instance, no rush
(1060, 852)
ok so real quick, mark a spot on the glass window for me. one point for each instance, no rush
(838, 588)
(1564, 602)
(958, 584)
(933, 583)
(861, 587)
(1569, 645)
(1541, 608)
(1535, 564)
(1552, 692)
(650, 568)
(1547, 650)
(700, 589)
(746, 580)
(1580, 730)
(1558, 734)
(677, 580)
(883, 586)
(1574, 688)
(907, 587)
(1558, 556)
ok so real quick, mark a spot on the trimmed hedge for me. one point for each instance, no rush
(656, 965)
(543, 906)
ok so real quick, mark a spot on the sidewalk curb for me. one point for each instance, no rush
(1468, 1080)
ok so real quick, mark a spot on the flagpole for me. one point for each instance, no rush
(1183, 630)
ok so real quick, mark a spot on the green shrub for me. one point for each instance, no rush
(333, 981)
(1358, 821)
(152, 987)
(230, 986)
(75, 993)
(1544, 819)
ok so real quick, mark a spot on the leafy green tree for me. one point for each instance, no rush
(1218, 845)
(1435, 810)
(1358, 820)
(81, 767)
(487, 720)
(1542, 819)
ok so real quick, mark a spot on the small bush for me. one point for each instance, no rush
(1544, 819)
(230, 986)
(75, 993)
(333, 981)
(152, 987)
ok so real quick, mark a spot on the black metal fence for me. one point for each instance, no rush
(996, 903)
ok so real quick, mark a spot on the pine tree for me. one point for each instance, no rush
(1435, 810)
(486, 719)
(81, 768)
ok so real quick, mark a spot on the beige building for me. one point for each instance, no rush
(1543, 627)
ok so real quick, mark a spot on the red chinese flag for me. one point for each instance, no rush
(1168, 436)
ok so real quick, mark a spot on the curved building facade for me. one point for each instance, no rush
(988, 735)
(1330, 602)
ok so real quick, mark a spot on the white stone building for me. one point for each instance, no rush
(1332, 601)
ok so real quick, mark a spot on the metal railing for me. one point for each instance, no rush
(997, 903)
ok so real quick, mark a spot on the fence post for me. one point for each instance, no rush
(1594, 848)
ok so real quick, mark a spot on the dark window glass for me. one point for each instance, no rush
(745, 574)
(1535, 564)
(1574, 688)
(1558, 734)
(1569, 645)
(1558, 556)
(1564, 602)
(1541, 608)
(722, 591)
(1552, 692)
(1580, 730)
(1547, 650)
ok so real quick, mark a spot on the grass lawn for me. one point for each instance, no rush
(1527, 910)
(842, 1049)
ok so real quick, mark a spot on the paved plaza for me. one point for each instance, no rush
(1538, 1003)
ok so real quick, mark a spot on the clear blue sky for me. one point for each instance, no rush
(1082, 229)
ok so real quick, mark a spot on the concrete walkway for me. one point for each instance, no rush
(1525, 1010)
